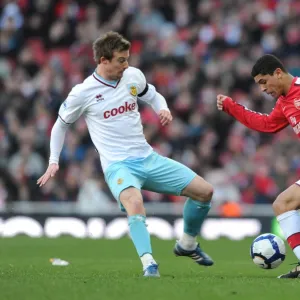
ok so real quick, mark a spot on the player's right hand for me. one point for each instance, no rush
(220, 100)
(51, 171)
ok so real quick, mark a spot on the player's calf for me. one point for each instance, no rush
(195, 211)
(286, 209)
(131, 199)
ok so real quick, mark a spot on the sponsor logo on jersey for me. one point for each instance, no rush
(297, 128)
(297, 103)
(293, 120)
(120, 110)
(99, 97)
(133, 90)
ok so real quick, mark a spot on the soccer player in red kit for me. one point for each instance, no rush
(273, 79)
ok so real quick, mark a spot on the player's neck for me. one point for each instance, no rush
(288, 80)
(100, 72)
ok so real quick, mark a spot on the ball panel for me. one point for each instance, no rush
(264, 247)
(268, 251)
(260, 261)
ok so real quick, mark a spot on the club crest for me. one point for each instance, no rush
(297, 103)
(133, 90)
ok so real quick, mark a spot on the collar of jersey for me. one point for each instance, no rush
(112, 83)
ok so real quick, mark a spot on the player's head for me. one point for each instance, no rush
(111, 51)
(269, 72)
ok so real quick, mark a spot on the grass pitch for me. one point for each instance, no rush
(110, 269)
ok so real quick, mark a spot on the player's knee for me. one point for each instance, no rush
(137, 206)
(134, 205)
(205, 193)
(280, 205)
(132, 200)
(208, 192)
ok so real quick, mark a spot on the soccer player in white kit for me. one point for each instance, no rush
(108, 101)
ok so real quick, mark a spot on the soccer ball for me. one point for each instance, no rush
(268, 251)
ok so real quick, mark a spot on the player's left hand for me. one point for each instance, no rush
(165, 117)
(51, 171)
(220, 100)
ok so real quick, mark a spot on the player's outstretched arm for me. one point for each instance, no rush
(271, 123)
(148, 93)
(51, 171)
(70, 110)
(158, 103)
(56, 143)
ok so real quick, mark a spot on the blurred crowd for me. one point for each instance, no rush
(190, 50)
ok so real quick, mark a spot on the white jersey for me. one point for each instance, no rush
(112, 116)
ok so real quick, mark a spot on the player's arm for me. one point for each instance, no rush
(58, 133)
(69, 112)
(271, 123)
(147, 92)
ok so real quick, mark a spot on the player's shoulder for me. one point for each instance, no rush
(297, 82)
(134, 76)
(132, 72)
(83, 87)
(294, 91)
(296, 85)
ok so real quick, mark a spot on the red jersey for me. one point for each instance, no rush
(285, 112)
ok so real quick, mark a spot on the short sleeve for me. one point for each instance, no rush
(72, 108)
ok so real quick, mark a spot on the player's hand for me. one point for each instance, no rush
(220, 100)
(165, 117)
(51, 171)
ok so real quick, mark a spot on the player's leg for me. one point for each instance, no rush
(196, 208)
(125, 183)
(286, 208)
(132, 200)
(170, 177)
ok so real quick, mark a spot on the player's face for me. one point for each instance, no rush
(271, 84)
(115, 67)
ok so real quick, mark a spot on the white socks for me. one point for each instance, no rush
(188, 242)
(147, 259)
(290, 226)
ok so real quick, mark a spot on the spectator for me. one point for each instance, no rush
(188, 52)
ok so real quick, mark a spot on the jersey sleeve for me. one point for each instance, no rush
(147, 93)
(142, 85)
(57, 139)
(273, 122)
(72, 108)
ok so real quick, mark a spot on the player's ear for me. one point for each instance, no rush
(278, 73)
(103, 60)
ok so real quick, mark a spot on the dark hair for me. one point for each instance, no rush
(107, 44)
(267, 64)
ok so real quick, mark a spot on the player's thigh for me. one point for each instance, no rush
(119, 178)
(167, 176)
(198, 189)
(288, 199)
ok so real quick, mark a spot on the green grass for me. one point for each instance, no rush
(110, 269)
